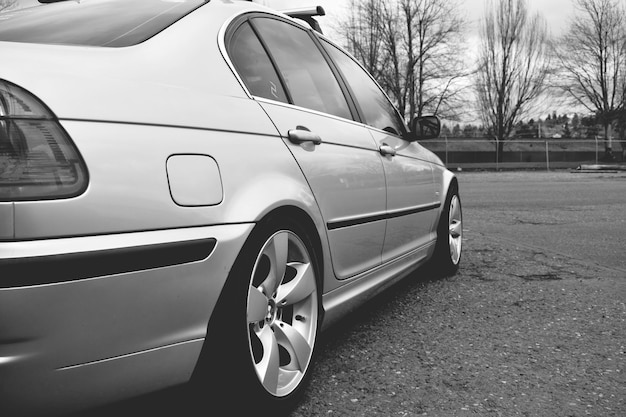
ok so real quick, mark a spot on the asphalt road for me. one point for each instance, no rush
(578, 214)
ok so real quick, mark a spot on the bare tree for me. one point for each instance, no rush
(513, 64)
(363, 34)
(592, 55)
(413, 48)
(7, 4)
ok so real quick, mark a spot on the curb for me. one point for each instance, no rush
(597, 167)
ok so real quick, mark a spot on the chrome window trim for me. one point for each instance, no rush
(221, 42)
(306, 109)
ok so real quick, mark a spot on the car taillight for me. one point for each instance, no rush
(38, 160)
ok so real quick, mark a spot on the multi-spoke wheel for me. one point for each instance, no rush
(447, 254)
(261, 339)
(455, 229)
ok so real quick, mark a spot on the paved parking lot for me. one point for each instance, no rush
(578, 214)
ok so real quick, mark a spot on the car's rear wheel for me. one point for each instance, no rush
(447, 256)
(266, 324)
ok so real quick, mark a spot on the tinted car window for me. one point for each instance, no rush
(254, 66)
(377, 109)
(306, 72)
(94, 23)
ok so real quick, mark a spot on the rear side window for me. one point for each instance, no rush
(306, 73)
(254, 66)
(113, 23)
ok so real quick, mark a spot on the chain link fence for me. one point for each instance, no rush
(523, 154)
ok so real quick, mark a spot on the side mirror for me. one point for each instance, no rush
(425, 127)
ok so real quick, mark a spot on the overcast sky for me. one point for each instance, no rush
(556, 12)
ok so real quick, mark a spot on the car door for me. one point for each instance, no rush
(284, 69)
(412, 200)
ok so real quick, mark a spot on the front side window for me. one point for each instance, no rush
(254, 66)
(306, 73)
(376, 107)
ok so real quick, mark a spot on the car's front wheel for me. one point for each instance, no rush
(267, 322)
(447, 256)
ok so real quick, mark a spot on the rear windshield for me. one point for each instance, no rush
(113, 23)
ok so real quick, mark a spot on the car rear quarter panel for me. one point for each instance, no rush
(129, 191)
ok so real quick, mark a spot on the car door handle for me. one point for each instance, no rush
(302, 134)
(387, 150)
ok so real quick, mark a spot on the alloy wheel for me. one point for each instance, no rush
(282, 313)
(455, 229)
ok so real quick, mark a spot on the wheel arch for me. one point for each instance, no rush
(304, 220)
(450, 180)
(300, 217)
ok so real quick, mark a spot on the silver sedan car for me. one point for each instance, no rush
(190, 192)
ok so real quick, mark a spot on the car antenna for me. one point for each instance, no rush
(306, 14)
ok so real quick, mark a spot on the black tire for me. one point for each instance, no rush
(447, 255)
(261, 343)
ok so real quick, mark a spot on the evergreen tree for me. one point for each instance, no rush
(567, 133)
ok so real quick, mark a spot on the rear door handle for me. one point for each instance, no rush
(387, 150)
(302, 134)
